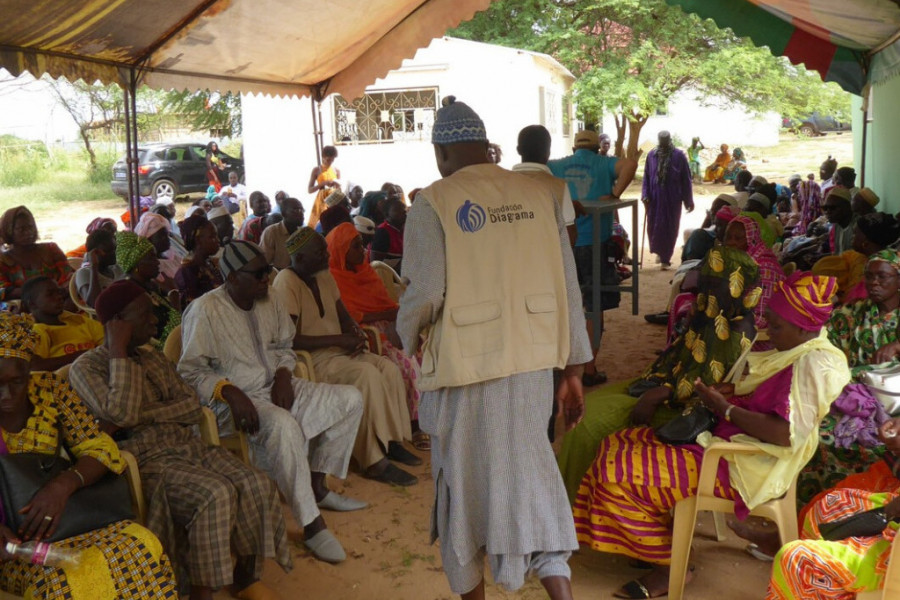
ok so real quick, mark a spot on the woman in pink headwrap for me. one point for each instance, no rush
(743, 233)
(96, 224)
(155, 228)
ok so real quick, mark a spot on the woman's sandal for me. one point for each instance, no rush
(421, 441)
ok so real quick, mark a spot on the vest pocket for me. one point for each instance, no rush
(478, 328)
(542, 318)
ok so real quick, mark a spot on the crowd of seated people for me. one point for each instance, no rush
(117, 390)
(801, 282)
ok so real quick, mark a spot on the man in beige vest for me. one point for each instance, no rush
(534, 148)
(493, 288)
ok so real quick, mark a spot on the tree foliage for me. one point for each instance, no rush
(207, 111)
(631, 56)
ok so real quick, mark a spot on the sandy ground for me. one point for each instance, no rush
(387, 544)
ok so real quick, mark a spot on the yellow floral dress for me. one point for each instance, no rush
(122, 560)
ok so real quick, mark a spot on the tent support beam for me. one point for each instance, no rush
(131, 152)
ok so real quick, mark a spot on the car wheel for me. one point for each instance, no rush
(163, 187)
(808, 130)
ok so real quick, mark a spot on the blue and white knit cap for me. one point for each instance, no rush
(457, 123)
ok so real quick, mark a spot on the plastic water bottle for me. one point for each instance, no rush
(42, 553)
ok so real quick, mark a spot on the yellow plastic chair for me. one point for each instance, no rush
(138, 502)
(392, 281)
(783, 511)
(76, 299)
(235, 443)
(304, 368)
(172, 347)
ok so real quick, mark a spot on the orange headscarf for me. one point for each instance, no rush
(362, 291)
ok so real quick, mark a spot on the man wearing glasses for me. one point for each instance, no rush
(238, 356)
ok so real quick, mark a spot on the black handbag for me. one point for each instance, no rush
(685, 428)
(105, 501)
(864, 524)
(645, 384)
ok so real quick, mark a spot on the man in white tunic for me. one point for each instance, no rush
(493, 287)
(237, 355)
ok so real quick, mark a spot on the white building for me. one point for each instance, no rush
(714, 120)
(386, 134)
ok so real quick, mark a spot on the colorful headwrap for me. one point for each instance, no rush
(189, 228)
(150, 223)
(236, 254)
(17, 336)
(881, 228)
(115, 298)
(804, 300)
(362, 290)
(98, 223)
(728, 213)
(869, 196)
(300, 238)
(130, 249)
(455, 123)
(888, 255)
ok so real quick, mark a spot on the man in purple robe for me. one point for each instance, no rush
(667, 186)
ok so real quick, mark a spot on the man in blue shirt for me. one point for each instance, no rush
(592, 176)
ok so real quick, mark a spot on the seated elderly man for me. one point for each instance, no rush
(325, 328)
(237, 355)
(198, 495)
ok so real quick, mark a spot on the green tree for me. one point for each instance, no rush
(205, 111)
(631, 56)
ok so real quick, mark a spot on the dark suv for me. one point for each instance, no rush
(171, 170)
(815, 124)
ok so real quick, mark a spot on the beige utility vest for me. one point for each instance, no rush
(505, 306)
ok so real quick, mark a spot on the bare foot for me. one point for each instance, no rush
(758, 530)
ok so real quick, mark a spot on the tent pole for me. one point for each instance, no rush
(862, 166)
(316, 138)
(128, 158)
(133, 148)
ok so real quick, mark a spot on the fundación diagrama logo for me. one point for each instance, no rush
(470, 217)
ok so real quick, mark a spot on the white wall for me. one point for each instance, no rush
(502, 85)
(714, 121)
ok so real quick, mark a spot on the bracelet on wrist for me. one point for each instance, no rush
(79, 475)
(217, 391)
(728, 412)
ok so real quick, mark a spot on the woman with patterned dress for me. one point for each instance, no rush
(25, 257)
(625, 500)
(368, 302)
(721, 329)
(137, 259)
(200, 272)
(122, 560)
(867, 333)
(322, 181)
(809, 197)
(743, 233)
(814, 569)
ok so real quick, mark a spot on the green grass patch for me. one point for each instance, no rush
(54, 192)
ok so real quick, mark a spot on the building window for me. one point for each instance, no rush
(386, 116)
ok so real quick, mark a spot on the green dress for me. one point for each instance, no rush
(859, 330)
(721, 329)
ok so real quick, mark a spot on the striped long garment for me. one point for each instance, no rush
(624, 502)
(813, 569)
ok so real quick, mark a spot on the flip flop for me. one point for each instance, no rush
(754, 551)
(421, 441)
(634, 590)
